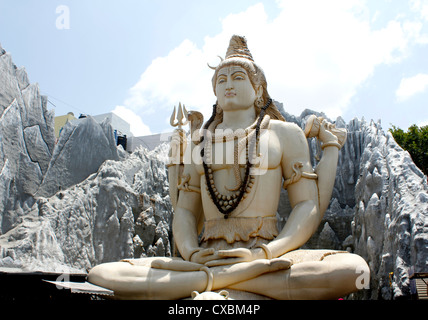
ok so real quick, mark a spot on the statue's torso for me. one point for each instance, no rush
(262, 200)
(253, 221)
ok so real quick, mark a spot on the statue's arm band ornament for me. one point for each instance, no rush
(298, 174)
(331, 144)
(185, 186)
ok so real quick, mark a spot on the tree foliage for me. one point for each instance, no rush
(415, 141)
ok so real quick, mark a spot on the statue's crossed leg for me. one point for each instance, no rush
(172, 278)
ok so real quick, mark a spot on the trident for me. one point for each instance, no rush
(179, 118)
(180, 115)
(177, 147)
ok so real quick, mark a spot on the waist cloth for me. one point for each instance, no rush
(239, 232)
(243, 232)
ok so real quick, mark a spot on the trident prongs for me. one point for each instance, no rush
(181, 114)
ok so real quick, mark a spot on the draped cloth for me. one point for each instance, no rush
(239, 232)
(243, 232)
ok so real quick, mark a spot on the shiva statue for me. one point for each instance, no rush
(226, 197)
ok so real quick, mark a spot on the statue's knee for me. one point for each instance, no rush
(357, 273)
(96, 273)
(350, 273)
(101, 274)
(362, 271)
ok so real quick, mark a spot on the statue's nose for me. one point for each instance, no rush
(229, 83)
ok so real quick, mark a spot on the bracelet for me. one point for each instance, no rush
(331, 144)
(210, 278)
(266, 250)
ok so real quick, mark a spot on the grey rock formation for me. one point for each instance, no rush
(31, 163)
(121, 211)
(80, 151)
(46, 221)
(390, 227)
(26, 141)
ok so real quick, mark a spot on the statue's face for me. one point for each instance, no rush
(234, 90)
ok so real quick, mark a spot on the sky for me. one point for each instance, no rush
(139, 59)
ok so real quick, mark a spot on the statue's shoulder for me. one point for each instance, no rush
(285, 129)
(291, 138)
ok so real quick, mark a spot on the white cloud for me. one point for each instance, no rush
(138, 127)
(315, 55)
(411, 86)
(182, 76)
(420, 6)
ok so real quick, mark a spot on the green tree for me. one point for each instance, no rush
(415, 141)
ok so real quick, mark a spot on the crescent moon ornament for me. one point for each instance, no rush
(213, 68)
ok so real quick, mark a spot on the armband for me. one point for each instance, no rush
(185, 186)
(331, 144)
(298, 174)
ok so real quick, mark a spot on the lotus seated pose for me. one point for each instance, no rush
(225, 226)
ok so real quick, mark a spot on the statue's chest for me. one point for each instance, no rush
(232, 150)
(226, 155)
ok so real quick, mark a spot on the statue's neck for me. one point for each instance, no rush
(238, 119)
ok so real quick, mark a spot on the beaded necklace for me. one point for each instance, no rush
(226, 204)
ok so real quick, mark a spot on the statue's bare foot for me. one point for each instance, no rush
(280, 264)
(263, 265)
(176, 265)
(227, 275)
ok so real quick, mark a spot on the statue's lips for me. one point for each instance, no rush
(230, 94)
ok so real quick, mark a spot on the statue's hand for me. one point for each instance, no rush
(232, 256)
(203, 256)
(325, 133)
